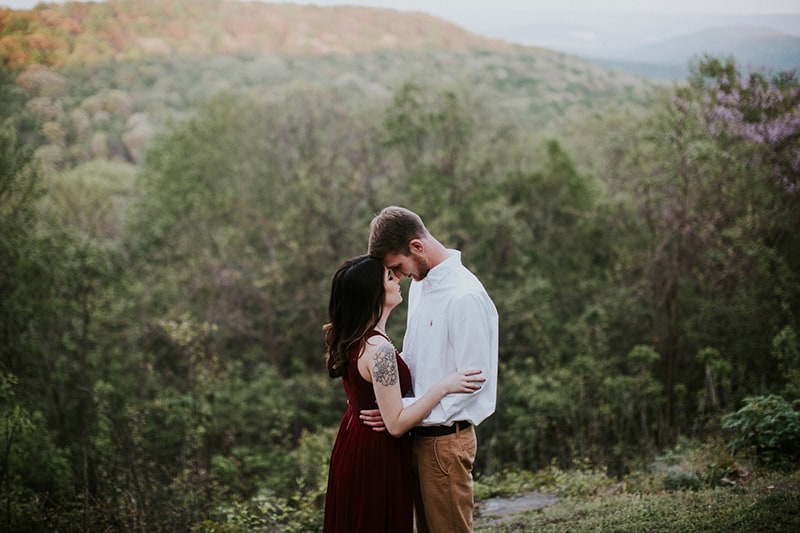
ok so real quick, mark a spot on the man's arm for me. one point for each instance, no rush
(474, 336)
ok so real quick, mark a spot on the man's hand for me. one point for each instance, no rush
(373, 419)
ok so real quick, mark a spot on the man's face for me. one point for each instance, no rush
(414, 265)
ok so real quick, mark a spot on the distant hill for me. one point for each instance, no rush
(80, 32)
(660, 47)
(751, 46)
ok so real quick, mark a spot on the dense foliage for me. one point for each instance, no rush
(161, 324)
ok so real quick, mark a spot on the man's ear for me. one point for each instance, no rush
(416, 246)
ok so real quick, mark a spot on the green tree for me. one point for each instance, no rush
(34, 474)
(244, 207)
(21, 289)
(712, 262)
(13, 97)
(449, 152)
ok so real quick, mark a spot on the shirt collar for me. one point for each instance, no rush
(441, 270)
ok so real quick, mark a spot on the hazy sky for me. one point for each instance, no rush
(495, 13)
(560, 6)
(505, 9)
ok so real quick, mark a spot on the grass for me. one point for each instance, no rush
(761, 503)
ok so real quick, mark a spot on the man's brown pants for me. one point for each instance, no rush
(443, 492)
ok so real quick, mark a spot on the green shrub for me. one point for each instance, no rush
(694, 465)
(267, 511)
(680, 480)
(768, 427)
(583, 479)
(505, 483)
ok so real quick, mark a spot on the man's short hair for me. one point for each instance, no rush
(392, 229)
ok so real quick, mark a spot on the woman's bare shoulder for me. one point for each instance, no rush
(377, 344)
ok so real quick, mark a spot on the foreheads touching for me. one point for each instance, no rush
(391, 231)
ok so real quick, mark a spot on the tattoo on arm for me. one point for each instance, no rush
(385, 371)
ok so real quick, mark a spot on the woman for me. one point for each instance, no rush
(369, 484)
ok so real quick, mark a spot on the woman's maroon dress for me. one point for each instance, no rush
(369, 484)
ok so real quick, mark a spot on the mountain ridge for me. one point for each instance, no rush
(648, 46)
(76, 32)
(748, 44)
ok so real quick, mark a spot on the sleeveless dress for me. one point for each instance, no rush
(369, 484)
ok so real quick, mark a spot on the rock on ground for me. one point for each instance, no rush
(495, 508)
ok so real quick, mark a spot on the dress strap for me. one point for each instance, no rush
(376, 332)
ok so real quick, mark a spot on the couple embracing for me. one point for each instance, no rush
(406, 443)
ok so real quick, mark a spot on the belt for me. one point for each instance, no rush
(439, 431)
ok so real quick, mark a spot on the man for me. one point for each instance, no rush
(452, 324)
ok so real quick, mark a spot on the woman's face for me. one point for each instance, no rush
(391, 287)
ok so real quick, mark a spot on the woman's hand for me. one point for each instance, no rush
(464, 381)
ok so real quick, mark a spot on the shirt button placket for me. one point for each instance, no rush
(414, 326)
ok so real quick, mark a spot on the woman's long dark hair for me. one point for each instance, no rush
(356, 303)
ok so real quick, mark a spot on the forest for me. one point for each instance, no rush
(169, 227)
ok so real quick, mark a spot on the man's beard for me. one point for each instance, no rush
(421, 265)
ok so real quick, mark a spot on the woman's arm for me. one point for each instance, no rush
(381, 365)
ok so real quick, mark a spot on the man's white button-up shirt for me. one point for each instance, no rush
(452, 325)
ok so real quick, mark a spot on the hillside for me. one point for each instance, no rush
(113, 110)
(749, 45)
(85, 32)
(660, 48)
(752, 47)
(104, 78)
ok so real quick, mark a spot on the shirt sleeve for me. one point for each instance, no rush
(473, 335)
